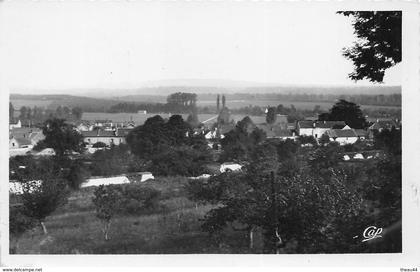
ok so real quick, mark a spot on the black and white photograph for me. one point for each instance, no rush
(199, 127)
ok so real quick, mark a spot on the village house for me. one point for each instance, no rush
(230, 166)
(318, 128)
(362, 134)
(342, 136)
(107, 137)
(18, 124)
(24, 137)
(15, 143)
(277, 132)
(381, 124)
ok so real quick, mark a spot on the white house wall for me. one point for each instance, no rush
(306, 131)
(346, 140)
(106, 140)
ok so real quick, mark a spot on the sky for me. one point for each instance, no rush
(123, 44)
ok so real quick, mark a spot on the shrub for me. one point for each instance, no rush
(137, 199)
(19, 222)
(40, 200)
(99, 144)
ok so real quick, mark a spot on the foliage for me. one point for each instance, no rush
(19, 222)
(241, 141)
(192, 118)
(185, 99)
(111, 161)
(302, 207)
(40, 200)
(271, 115)
(224, 116)
(61, 136)
(324, 158)
(170, 146)
(378, 47)
(28, 168)
(137, 199)
(348, 112)
(77, 175)
(99, 144)
(389, 140)
(325, 139)
(106, 200)
(304, 139)
(11, 112)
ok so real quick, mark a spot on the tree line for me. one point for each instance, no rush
(38, 115)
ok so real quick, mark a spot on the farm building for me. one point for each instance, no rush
(230, 166)
(105, 136)
(318, 128)
(342, 136)
(277, 132)
(140, 176)
(97, 181)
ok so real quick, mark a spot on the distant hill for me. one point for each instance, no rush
(104, 99)
(53, 101)
(150, 91)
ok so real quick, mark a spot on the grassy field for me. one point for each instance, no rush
(301, 105)
(74, 228)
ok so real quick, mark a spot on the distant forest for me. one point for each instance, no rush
(71, 107)
(361, 99)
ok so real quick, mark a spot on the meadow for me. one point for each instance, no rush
(175, 229)
(301, 105)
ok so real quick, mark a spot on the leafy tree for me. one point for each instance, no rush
(348, 112)
(271, 115)
(313, 212)
(113, 161)
(304, 139)
(325, 139)
(106, 200)
(378, 47)
(99, 144)
(11, 112)
(77, 113)
(77, 175)
(182, 161)
(325, 158)
(137, 199)
(192, 118)
(61, 136)
(41, 198)
(184, 99)
(240, 142)
(149, 139)
(389, 140)
(224, 116)
(170, 146)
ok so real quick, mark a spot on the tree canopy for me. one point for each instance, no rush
(61, 136)
(348, 112)
(378, 45)
(170, 146)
